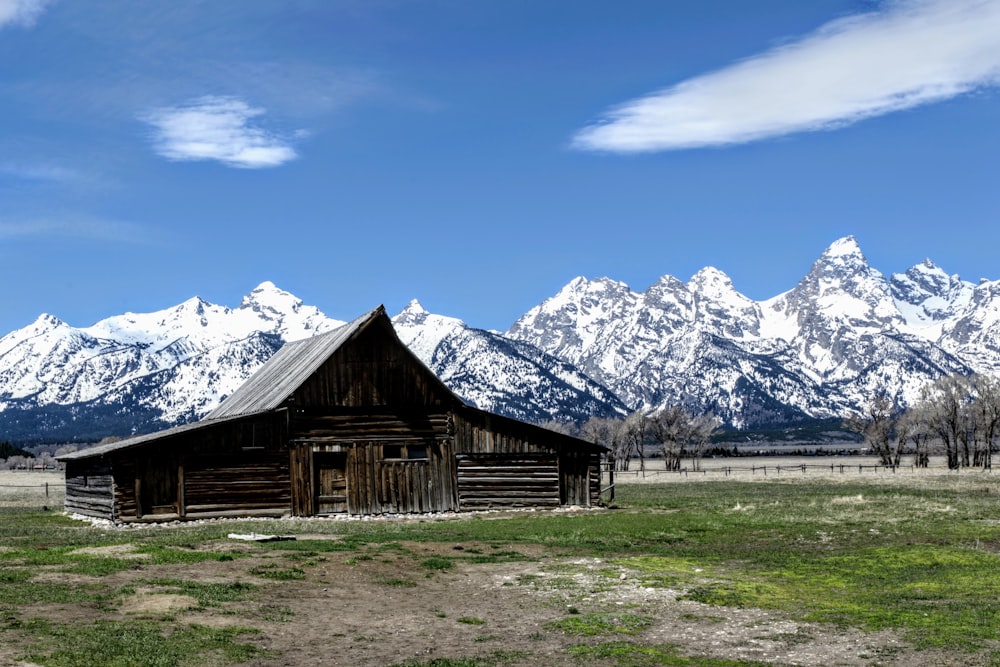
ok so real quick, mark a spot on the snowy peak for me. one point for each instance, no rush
(846, 247)
(268, 300)
(413, 315)
(841, 265)
(842, 289)
(712, 282)
(271, 309)
(925, 294)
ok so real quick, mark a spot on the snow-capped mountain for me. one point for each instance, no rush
(140, 372)
(843, 334)
(523, 382)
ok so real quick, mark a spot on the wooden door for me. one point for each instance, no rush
(157, 484)
(330, 488)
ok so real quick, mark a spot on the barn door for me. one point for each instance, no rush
(157, 484)
(331, 482)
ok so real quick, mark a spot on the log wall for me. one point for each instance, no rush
(487, 481)
(500, 442)
(90, 489)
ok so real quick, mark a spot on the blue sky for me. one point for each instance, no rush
(479, 154)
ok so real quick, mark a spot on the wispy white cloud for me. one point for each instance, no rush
(217, 128)
(21, 12)
(74, 226)
(909, 53)
(46, 173)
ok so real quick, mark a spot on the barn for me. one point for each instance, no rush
(346, 422)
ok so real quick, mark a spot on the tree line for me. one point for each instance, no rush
(956, 414)
(677, 432)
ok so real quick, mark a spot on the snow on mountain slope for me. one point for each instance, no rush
(149, 370)
(820, 349)
(926, 297)
(52, 362)
(523, 382)
(842, 335)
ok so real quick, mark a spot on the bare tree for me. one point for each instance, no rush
(680, 433)
(986, 412)
(670, 427)
(877, 425)
(912, 427)
(703, 427)
(608, 433)
(66, 449)
(634, 437)
(565, 428)
(943, 404)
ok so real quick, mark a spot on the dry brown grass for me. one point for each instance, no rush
(25, 488)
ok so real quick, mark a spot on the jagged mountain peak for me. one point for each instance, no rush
(269, 298)
(842, 261)
(842, 286)
(46, 322)
(710, 276)
(926, 294)
(712, 283)
(846, 246)
(414, 314)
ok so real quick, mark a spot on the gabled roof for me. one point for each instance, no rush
(293, 364)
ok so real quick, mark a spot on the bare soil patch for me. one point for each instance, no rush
(383, 608)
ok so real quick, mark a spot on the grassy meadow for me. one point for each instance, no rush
(917, 556)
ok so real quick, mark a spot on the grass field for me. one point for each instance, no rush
(801, 569)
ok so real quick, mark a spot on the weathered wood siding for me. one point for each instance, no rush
(256, 484)
(398, 474)
(579, 477)
(237, 468)
(90, 489)
(374, 369)
(487, 481)
(490, 442)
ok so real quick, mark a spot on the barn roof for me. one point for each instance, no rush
(98, 450)
(276, 380)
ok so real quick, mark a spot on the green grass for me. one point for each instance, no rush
(590, 625)
(625, 654)
(208, 594)
(135, 644)
(276, 572)
(494, 659)
(471, 620)
(436, 563)
(920, 557)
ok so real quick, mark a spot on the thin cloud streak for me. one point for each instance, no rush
(911, 53)
(217, 128)
(75, 227)
(21, 12)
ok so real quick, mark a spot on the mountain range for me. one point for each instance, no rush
(843, 334)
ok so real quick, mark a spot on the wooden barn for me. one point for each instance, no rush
(345, 422)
